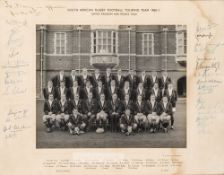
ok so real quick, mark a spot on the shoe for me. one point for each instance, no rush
(127, 134)
(122, 131)
(48, 130)
(81, 132)
(151, 130)
(172, 127)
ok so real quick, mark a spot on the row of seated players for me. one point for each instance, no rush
(130, 115)
(120, 77)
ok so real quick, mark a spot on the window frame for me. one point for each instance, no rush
(98, 41)
(60, 43)
(147, 41)
(181, 34)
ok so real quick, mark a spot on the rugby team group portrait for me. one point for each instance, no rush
(111, 86)
(122, 102)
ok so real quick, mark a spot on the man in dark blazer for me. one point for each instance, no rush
(84, 78)
(76, 123)
(143, 78)
(127, 123)
(127, 90)
(77, 104)
(164, 80)
(63, 113)
(49, 90)
(111, 89)
(153, 113)
(103, 108)
(140, 112)
(96, 77)
(156, 91)
(108, 77)
(172, 98)
(115, 112)
(133, 79)
(152, 79)
(99, 89)
(58, 78)
(62, 90)
(165, 112)
(140, 91)
(86, 90)
(90, 110)
(120, 79)
(75, 89)
(51, 109)
(73, 77)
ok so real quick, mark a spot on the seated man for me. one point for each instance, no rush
(76, 124)
(172, 98)
(115, 112)
(90, 110)
(165, 111)
(140, 112)
(153, 117)
(63, 116)
(50, 112)
(127, 122)
(127, 103)
(102, 114)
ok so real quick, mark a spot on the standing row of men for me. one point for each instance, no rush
(128, 102)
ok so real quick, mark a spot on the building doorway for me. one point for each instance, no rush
(181, 87)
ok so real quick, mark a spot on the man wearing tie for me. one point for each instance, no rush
(165, 112)
(63, 115)
(51, 108)
(58, 78)
(120, 79)
(74, 90)
(128, 124)
(140, 112)
(172, 98)
(62, 90)
(96, 77)
(73, 77)
(143, 78)
(84, 78)
(153, 111)
(49, 90)
(115, 112)
(153, 78)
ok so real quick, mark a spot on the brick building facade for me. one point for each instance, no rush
(139, 47)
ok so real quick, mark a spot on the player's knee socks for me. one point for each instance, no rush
(165, 124)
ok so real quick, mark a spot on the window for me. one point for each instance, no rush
(104, 42)
(147, 44)
(60, 43)
(181, 39)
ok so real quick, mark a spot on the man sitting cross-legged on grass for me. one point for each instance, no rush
(76, 124)
(50, 111)
(78, 104)
(165, 111)
(102, 114)
(153, 110)
(63, 116)
(127, 123)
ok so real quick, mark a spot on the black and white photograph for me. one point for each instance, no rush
(111, 86)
